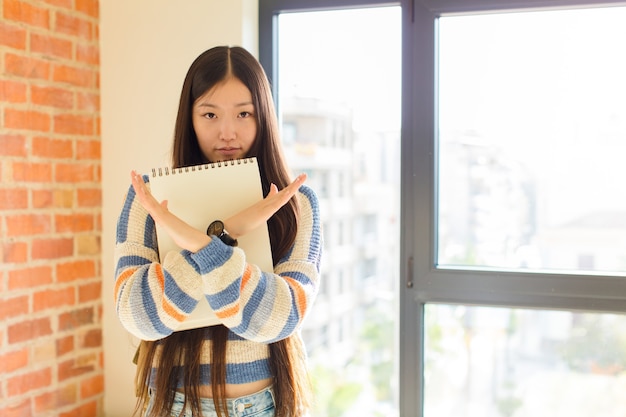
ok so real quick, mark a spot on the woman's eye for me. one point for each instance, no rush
(210, 115)
(245, 114)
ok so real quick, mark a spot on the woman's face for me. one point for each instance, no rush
(224, 120)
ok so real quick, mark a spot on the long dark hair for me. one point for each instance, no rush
(182, 350)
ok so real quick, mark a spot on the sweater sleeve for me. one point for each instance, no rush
(268, 306)
(153, 297)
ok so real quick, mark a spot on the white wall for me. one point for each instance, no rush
(146, 48)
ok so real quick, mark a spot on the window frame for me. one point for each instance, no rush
(422, 280)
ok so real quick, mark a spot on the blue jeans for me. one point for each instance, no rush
(260, 404)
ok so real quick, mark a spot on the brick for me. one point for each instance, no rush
(13, 198)
(74, 173)
(44, 351)
(27, 224)
(52, 248)
(74, 124)
(73, 25)
(88, 244)
(57, 198)
(41, 198)
(26, 66)
(88, 149)
(74, 367)
(98, 221)
(22, 409)
(91, 339)
(92, 386)
(89, 7)
(90, 292)
(32, 172)
(53, 298)
(27, 120)
(31, 381)
(74, 270)
(30, 277)
(89, 54)
(76, 222)
(60, 98)
(12, 91)
(24, 12)
(64, 345)
(12, 36)
(75, 319)
(90, 197)
(14, 252)
(64, 198)
(13, 361)
(13, 307)
(12, 145)
(52, 148)
(51, 46)
(89, 102)
(59, 398)
(29, 330)
(79, 77)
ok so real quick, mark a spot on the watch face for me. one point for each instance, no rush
(216, 228)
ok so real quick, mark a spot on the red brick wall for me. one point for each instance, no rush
(51, 358)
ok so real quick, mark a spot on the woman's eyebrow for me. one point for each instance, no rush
(245, 103)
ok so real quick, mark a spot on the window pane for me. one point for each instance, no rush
(340, 114)
(532, 123)
(499, 362)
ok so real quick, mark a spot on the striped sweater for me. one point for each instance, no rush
(259, 307)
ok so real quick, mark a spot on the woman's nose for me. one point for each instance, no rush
(227, 130)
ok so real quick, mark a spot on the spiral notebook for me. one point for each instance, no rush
(202, 193)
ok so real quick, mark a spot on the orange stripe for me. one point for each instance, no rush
(300, 294)
(167, 306)
(229, 312)
(247, 273)
(159, 273)
(122, 278)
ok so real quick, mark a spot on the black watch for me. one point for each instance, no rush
(216, 228)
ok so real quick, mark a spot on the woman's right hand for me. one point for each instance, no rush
(249, 219)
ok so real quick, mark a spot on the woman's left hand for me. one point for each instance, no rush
(252, 217)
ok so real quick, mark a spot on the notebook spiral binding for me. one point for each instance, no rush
(167, 171)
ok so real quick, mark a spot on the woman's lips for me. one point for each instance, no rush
(229, 152)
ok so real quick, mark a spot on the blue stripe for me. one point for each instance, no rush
(315, 247)
(292, 321)
(177, 295)
(212, 256)
(262, 291)
(149, 313)
(125, 262)
(122, 223)
(241, 373)
(302, 278)
(225, 297)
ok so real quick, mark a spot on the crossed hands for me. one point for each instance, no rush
(187, 237)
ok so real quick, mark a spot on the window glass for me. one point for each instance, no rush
(501, 362)
(532, 136)
(339, 101)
